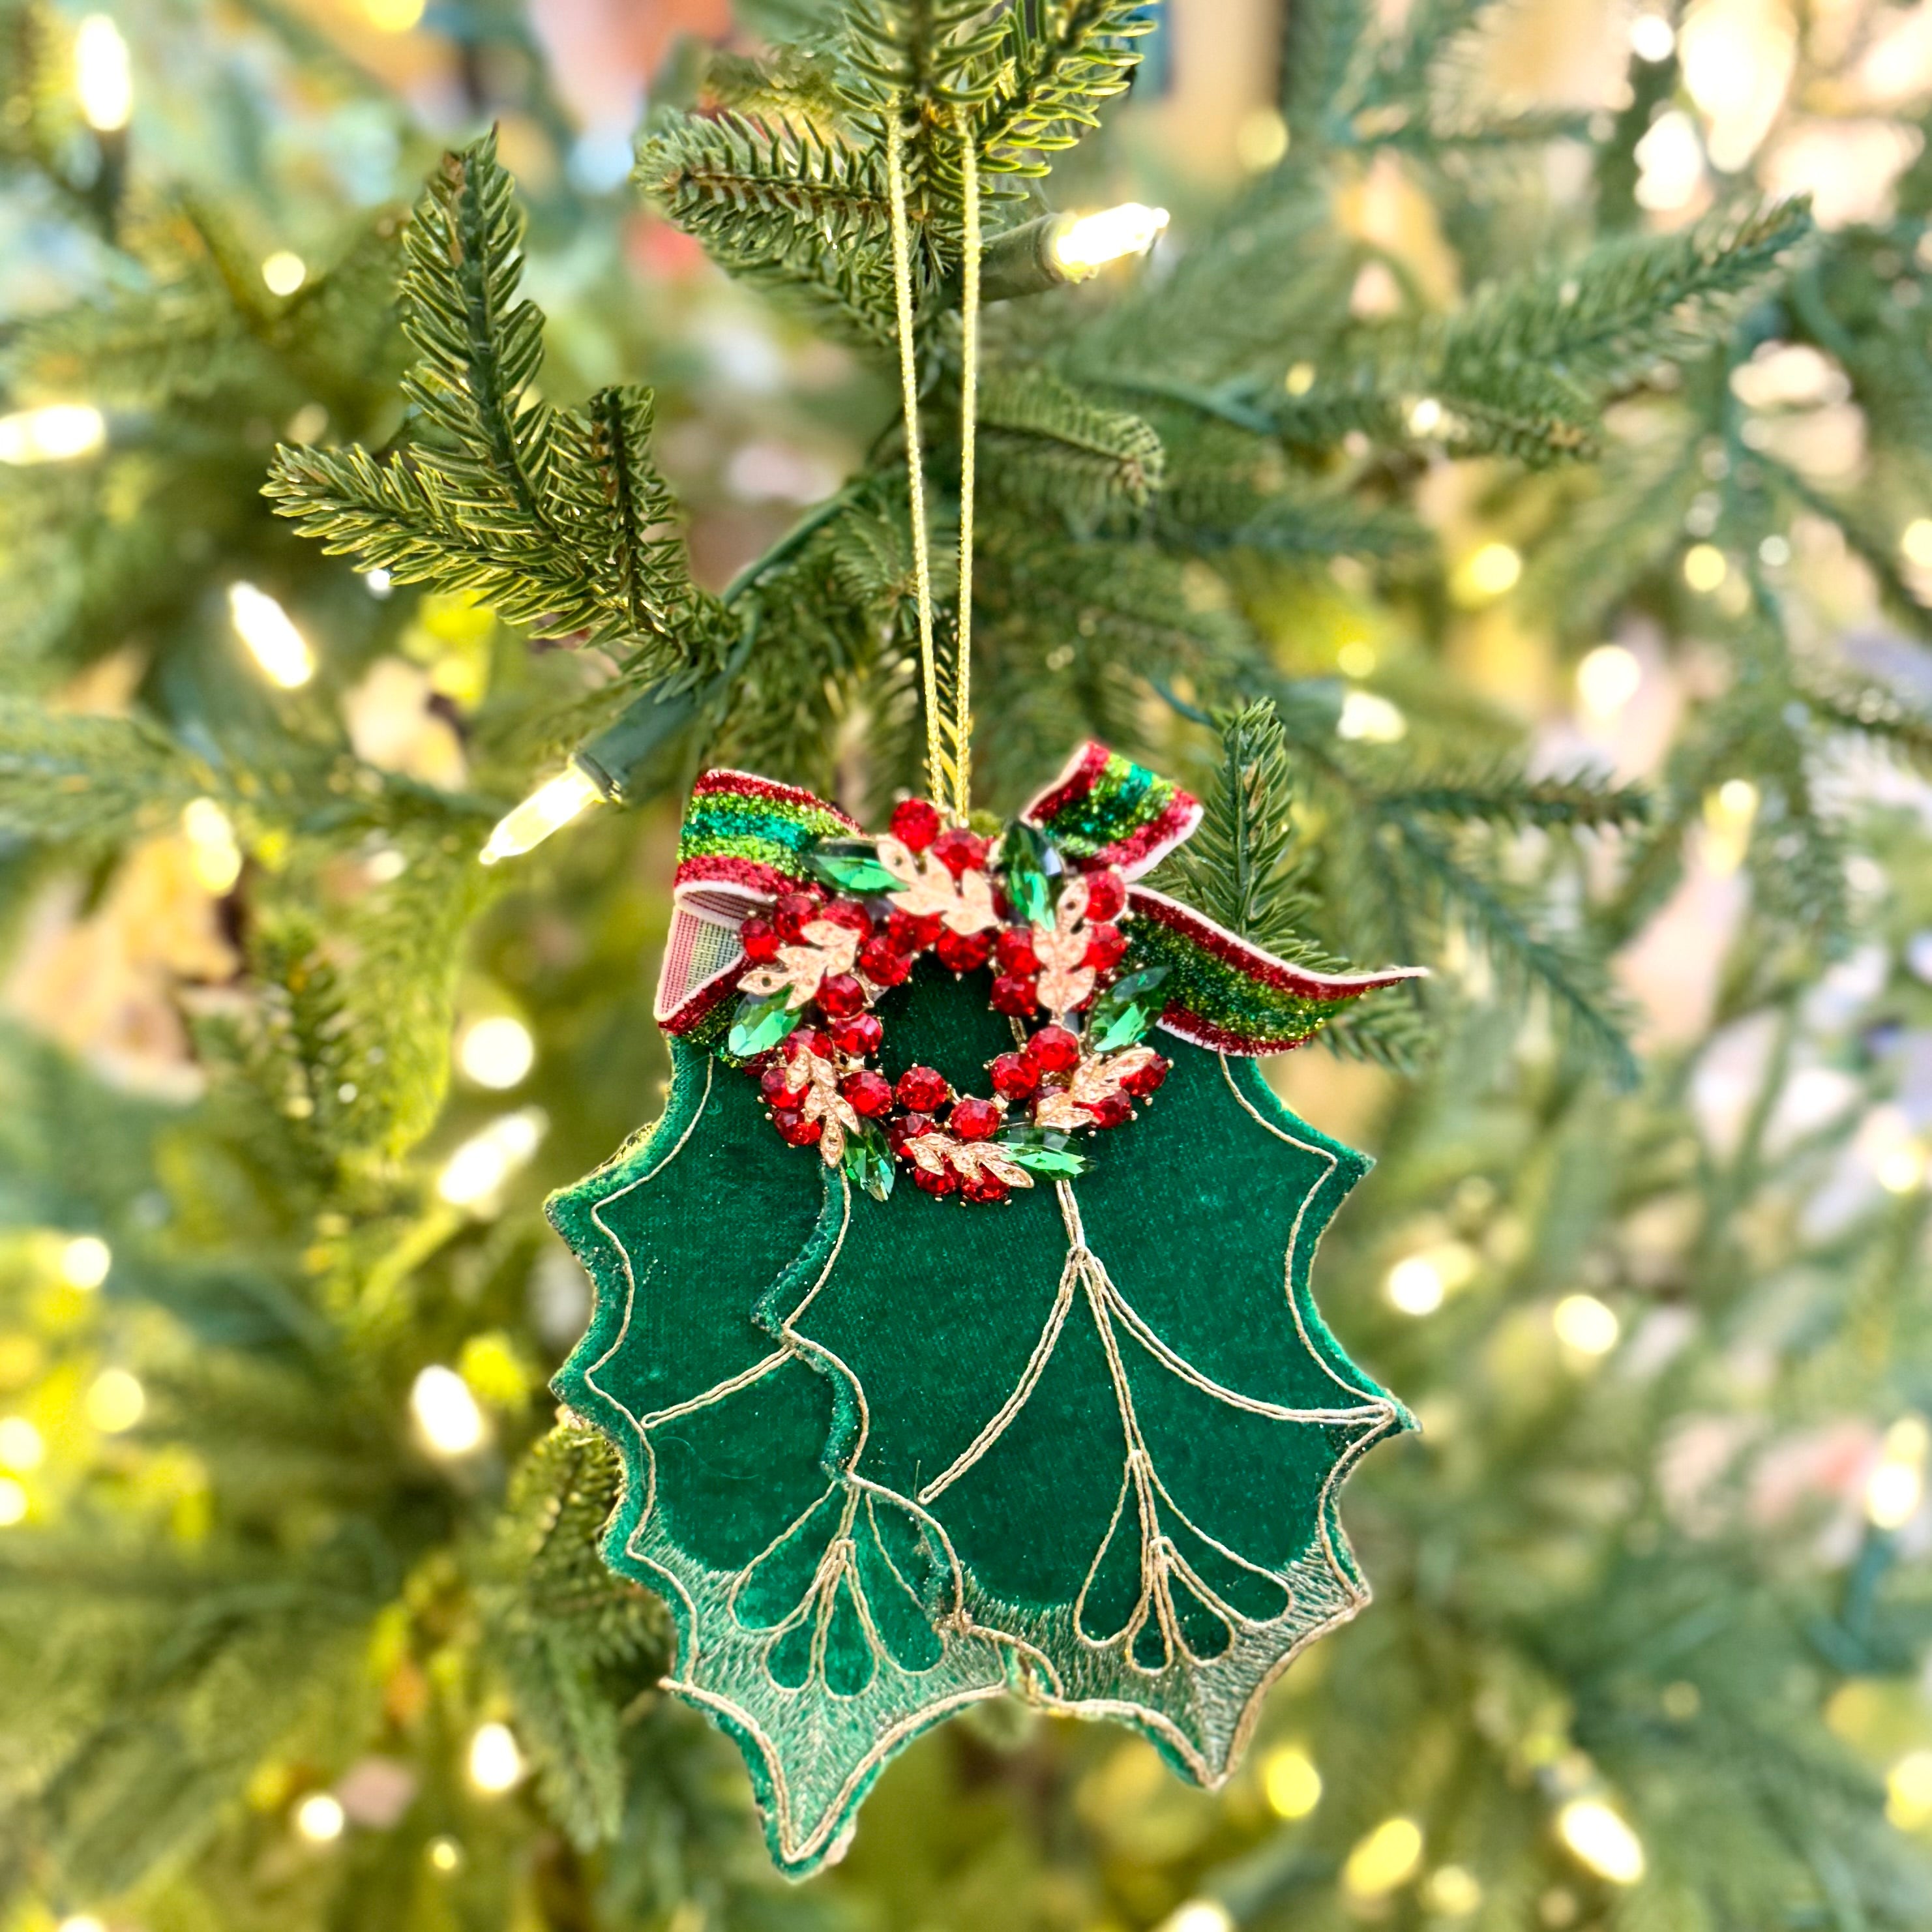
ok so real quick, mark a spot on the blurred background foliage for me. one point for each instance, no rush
(1570, 504)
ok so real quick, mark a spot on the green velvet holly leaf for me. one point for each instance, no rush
(887, 1458)
(1113, 1395)
(809, 1606)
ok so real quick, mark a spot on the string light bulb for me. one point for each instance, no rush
(1290, 1782)
(446, 1411)
(1601, 1840)
(103, 77)
(271, 637)
(497, 1051)
(496, 1763)
(283, 272)
(84, 1261)
(472, 1174)
(1083, 246)
(320, 1818)
(547, 809)
(1388, 1858)
(213, 853)
(55, 433)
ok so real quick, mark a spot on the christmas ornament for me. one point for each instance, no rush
(1059, 1419)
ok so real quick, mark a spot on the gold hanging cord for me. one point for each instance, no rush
(948, 767)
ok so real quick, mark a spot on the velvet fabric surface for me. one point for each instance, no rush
(886, 1459)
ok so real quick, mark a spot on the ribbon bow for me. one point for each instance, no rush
(746, 841)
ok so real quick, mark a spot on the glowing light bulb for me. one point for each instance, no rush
(496, 1052)
(495, 1763)
(1199, 1914)
(1300, 379)
(1426, 418)
(320, 1818)
(1415, 1285)
(1901, 1169)
(1705, 567)
(547, 809)
(1371, 719)
(284, 271)
(446, 1412)
(102, 77)
(1086, 246)
(481, 1164)
(1386, 1858)
(84, 1261)
(1652, 38)
(212, 852)
(270, 634)
(1601, 1840)
(445, 1855)
(1291, 1783)
(1486, 573)
(1586, 1325)
(1452, 1891)
(55, 433)
(1607, 678)
(12, 1502)
(1896, 1486)
(1908, 1791)
(21, 1447)
(116, 1402)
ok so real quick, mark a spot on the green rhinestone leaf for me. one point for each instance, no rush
(851, 865)
(869, 1162)
(760, 1025)
(1126, 1010)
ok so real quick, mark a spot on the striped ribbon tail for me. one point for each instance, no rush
(1229, 996)
(1106, 810)
(746, 840)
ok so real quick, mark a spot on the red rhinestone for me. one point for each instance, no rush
(883, 964)
(1106, 895)
(793, 912)
(805, 1039)
(923, 1089)
(1015, 1076)
(1054, 1050)
(974, 1119)
(964, 951)
(915, 823)
(840, 996)
(849, 913)
(909, 934)
(859, 1035)
(760, 939)
(1111, 1110)
(982, 1187)
(870, 1094)
(1013, 994)
(1106, 946)
(942, 1181)
(795, 1127)
(772, 1083)
(1144, 1080)
(907, 1127)
(960, 850)
(1015, 948)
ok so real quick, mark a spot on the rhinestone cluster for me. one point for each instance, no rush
(820, 960)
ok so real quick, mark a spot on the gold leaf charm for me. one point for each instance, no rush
(831, 950)
(927, 890)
